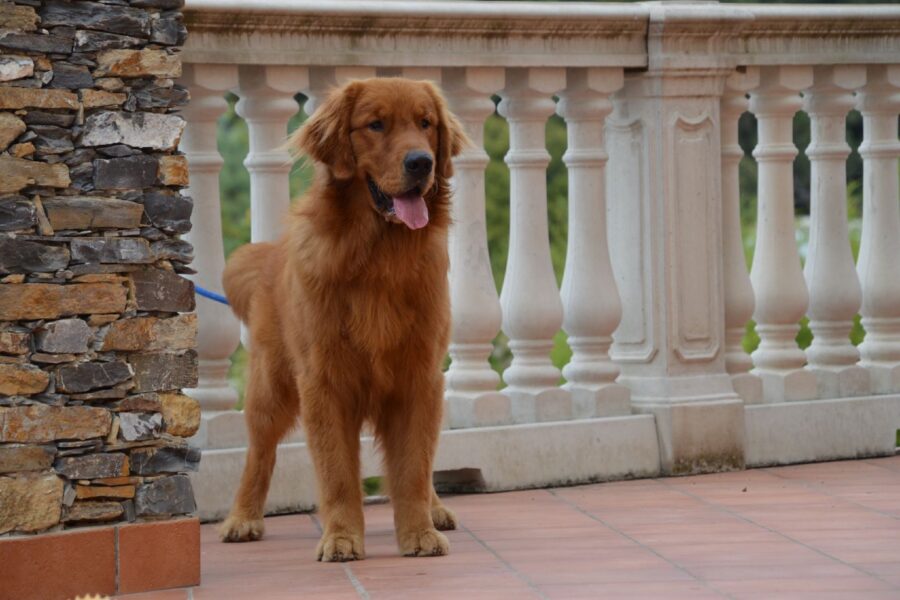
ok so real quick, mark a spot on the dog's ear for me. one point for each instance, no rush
(325, 137)
(451, 137)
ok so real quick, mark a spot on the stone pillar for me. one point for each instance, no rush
(472, 396)
(665, 231)
(97, 329)
(834, 290)
(739, 300)
(219, 330)
(781, 294)
(532, 310)
(879, 103)
(592, 308)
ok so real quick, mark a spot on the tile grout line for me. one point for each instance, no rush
(818, 489)
(781, 534)
(515, 572)
(357, 584)
(351, 577)
(618, 531)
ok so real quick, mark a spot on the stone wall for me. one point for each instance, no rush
(96, 323)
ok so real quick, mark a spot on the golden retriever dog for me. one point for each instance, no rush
(349, 315)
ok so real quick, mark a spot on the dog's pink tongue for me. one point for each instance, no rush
(411, 209)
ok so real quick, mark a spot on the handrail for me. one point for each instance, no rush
(406, 33)
(511, 34)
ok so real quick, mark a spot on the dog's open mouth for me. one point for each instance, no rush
(409, 207)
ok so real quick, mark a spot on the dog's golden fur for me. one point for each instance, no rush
(349, 318)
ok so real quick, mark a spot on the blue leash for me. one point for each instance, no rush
(211, 295)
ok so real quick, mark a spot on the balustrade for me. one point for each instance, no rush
(591, 303)
(532, 310)
(218, 331)
(879, 103)
(739, 299)
(781, 294)
(267, 104)
(472, 384)
(656, 295)
(834, 291)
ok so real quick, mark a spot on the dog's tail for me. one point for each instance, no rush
(241, 276)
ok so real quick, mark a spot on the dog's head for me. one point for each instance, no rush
(395, 135)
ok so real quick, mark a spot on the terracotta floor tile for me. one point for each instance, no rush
(822, 531)
(888, 572)
(818, 595)
(634, 566)
(807, 584)
(814, 571)
(746, 553)
(689, 590)
(601, 542)
(735, 531)
(454, 592)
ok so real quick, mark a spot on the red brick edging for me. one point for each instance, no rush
(119, 559)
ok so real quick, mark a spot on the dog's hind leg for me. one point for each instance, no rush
(271, 410)
(442, 517)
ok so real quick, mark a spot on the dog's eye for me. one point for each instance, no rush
(376, 126)
(426, 123)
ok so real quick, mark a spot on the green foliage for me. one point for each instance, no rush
(234, 181)
(496, 187)
(372, 486)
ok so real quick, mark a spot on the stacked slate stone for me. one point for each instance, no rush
(96, 324)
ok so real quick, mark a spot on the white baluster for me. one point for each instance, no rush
(834, 291)
(781, 295)
(218, 333)
(267, 104)
(739, 300)
(879, 252)
(472, 396)
(532, 310)
(592, 308)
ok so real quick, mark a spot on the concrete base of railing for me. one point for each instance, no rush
(819, 430)
(511, 457)
(487, 459)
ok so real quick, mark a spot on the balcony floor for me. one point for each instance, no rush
(826, 530)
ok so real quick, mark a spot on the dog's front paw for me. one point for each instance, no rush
(443, 518)
(427, 542)
(236, 529)
(340, 547)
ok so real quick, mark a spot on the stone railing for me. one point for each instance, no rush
(656, 294)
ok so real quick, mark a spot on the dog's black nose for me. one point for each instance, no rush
(418, 163)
